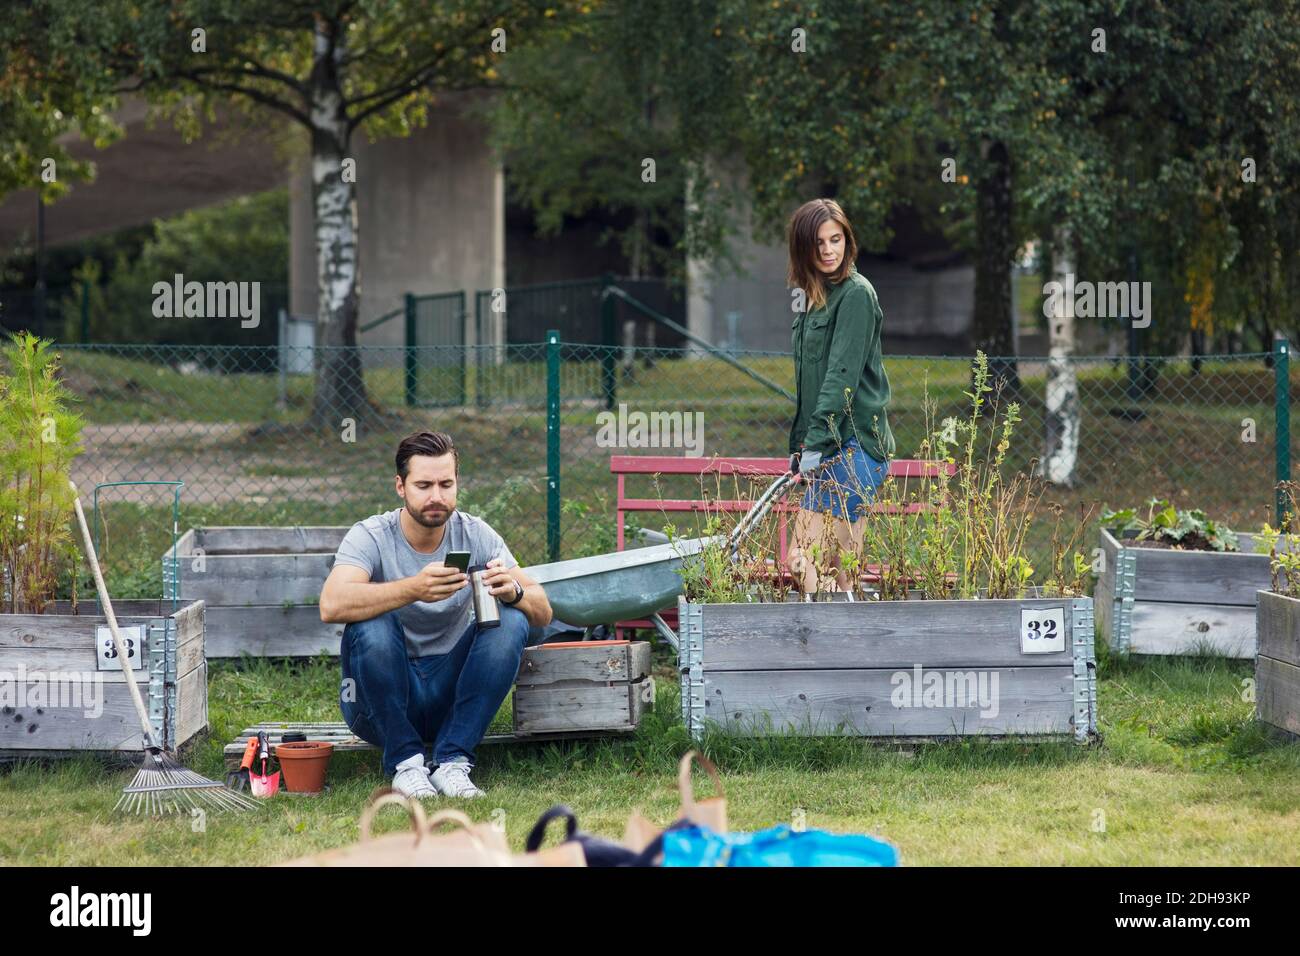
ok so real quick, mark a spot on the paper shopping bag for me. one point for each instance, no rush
(467, 844)
(710, 812)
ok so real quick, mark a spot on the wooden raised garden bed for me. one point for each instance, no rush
(1277, 668)
(64, 690)
(892, 669)
(1166, 601)
(261, 586)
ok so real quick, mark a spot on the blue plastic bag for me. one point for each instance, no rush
(778, 846)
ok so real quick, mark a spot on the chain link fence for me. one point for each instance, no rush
(257, 440)
(575, 309)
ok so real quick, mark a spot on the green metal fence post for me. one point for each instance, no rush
(608, 339)
(462, 319)
(553, 445)
(410, 354)
(480, 352)
(1282, 421)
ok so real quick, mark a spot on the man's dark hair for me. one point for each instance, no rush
(434, 444)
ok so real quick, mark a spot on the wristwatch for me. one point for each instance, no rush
(519, 596)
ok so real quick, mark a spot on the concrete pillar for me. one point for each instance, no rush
(758, 292)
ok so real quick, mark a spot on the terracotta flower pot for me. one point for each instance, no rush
(303, 764)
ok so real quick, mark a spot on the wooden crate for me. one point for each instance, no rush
(261, 586)
(1277, 667)
(891, 669)
(592, 685)
(84, 708)
(1161, 601)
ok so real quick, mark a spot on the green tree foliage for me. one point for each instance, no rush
(1124, 124)
(244, 239)
(46, 91)
(611, 115)
(1138, 149)
(331, 68)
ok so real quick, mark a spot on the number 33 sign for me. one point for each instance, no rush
(1042, 630)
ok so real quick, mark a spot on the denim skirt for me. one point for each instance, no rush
(849, 480)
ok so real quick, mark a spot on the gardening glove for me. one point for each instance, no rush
(802, 463)
(809, 461)
(793, 469)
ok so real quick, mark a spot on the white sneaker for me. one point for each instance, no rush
(414, 782)
(452, 780)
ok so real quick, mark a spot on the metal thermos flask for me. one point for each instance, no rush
(486, 610)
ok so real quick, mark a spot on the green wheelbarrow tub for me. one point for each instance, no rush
(622, 586)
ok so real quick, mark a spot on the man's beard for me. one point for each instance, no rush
(428, 519)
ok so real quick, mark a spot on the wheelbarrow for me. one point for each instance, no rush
(627, 585)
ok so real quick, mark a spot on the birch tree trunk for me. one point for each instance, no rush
(699, 272)
(1061, 417)
(340, 387)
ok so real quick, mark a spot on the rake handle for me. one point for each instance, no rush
(112, 622)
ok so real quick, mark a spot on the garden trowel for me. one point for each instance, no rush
(261, 785)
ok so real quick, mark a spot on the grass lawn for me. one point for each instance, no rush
(1184, 777)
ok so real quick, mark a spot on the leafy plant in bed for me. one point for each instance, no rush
(945, 536)
(1167, 527)
(39, 438)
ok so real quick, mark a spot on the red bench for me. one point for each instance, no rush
(623, 465)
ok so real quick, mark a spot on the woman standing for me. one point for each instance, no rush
(840, 441)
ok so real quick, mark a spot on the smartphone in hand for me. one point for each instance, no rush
(458, 560)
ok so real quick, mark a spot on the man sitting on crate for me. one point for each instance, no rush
(415, 668)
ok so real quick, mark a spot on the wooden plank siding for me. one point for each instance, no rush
(1184, 602)
(1277, 668)
(887, 669)
(874, 703)
(600, 685)
(89, 709)
(262, 587)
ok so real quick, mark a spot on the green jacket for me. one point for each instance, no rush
(837, 347)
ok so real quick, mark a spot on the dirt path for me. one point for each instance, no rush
(204, 455)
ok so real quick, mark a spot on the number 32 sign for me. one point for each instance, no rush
(1042, 630)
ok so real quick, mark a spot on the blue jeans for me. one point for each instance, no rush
(399, 703)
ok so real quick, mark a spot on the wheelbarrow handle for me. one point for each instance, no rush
(757, 513)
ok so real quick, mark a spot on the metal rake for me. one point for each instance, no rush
(162, 785)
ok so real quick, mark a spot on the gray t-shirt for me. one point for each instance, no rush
(377, 545)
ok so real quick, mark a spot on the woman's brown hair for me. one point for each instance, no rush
(804, 224)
